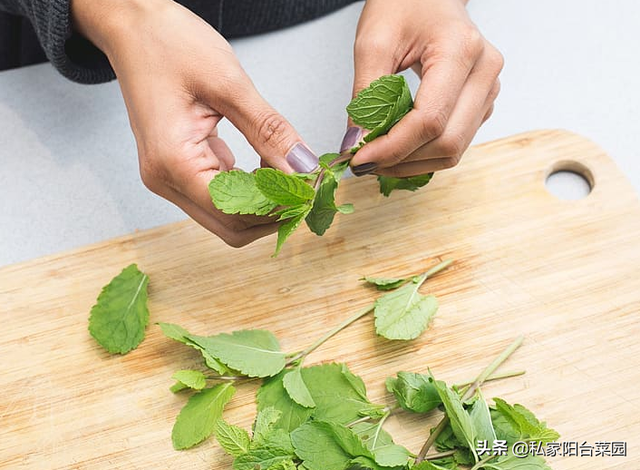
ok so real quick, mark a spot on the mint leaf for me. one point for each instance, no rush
(324, 206)
(379, 442)
(384, 283)
(292, 211)
(286, 229)
(120, 316)
(271, 446)
(511, 462)
(514, 423)
(297, 389)
(254, 353)
(235, 192)
(412, 183)
(283, 189)
(272, 394)
(197, 420)
(428, 465)
(461, 422)
(181, 335)
(193, 379)
(414, 392)
(283, 465)
(404, 313)
(481, 418)
(381, 105)
(234, 440)
(323, 445)
(339, 395)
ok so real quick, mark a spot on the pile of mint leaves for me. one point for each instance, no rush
(319, 417)
(312, 196)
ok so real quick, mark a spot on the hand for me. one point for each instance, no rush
(459, 83)
(179, 78)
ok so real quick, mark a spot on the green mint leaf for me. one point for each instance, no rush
(297, 389)
(365, 463)
(339, 397)
(234, 440)
(324, 207)
(272, 394)
(379, 442)
(197, 420)
(264, 425)
(254, 353)
(235, 192)
(512, 462)
(461, 422)
(412, 183)
(287, 228)
(265, 457)
(193, 379)
(414, 392)
(284, 465)
(384, 283)
(283, 189)
(448, 464)
(292, 211)
(481, 418)
(515, 422)
(404, 313)
(177, 333)
(323, 445)
(120, 316)
(270, 448)
(380, 106)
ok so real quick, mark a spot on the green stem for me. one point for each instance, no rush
(304, 353)
(504, 375)
(344, 156)
(440, 455)
(488, 371)
(379, 428)
(482, 462)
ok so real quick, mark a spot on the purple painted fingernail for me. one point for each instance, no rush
(301, 159)
(351, 138)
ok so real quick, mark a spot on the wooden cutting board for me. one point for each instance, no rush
(566, 274)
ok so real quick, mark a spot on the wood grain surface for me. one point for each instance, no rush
(566, 274)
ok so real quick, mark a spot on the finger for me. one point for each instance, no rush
(444, 75)
(476, 100)
(404, 170)
(222, 151)
(268, 132)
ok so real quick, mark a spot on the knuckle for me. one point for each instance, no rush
(373, 44)
(472, 41)
(433, 124)
(494, 92)
(272, 129)
(453, 146)
(450, 162)
(495, 60)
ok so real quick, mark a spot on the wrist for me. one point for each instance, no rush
(108, 23)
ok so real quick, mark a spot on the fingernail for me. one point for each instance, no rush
(364, 169)
(301, 159)
(351, 138)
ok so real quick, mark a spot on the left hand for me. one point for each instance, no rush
(459, 82)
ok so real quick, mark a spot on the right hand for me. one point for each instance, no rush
(179, 78)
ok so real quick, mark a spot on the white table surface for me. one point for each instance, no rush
(69, 166)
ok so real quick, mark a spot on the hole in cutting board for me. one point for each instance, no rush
(569, 180)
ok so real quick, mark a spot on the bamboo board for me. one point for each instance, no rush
(564, 273)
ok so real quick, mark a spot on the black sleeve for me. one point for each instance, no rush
(72, 55)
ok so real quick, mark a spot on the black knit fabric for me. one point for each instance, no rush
(32, 30)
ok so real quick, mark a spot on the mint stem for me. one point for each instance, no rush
(344, 156)
(440, 455)
(504, 375)
(482, 462)
(488, 371)
(433, 271)
(304, 353)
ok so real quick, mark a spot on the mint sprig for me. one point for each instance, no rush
(312, 197)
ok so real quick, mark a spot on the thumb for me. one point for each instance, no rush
(269, 133)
